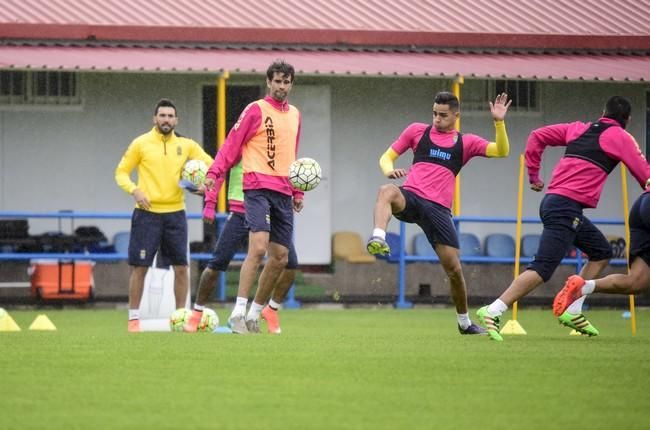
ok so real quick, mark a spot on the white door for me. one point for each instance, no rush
(313, 225)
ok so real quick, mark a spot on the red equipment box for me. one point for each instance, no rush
(61, 280)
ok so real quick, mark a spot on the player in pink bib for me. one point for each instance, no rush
(592, 151)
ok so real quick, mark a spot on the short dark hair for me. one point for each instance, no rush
(618, 108)
(280, 66)
(447, 98)
(164, 103)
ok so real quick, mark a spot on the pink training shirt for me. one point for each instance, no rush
(578, 179)
(231, 152)
(431, 181)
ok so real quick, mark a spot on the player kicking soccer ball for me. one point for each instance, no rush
(425, 197)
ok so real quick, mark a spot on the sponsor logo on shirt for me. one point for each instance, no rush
(241, 117)
(270, 142)
(437, 153)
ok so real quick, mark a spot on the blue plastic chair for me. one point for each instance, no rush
(470, 246)
(499, 245)
(529, 244)
(121, 242)
(422, 247)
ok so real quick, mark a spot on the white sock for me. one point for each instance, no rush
(254, 311)
(497, 308)
(463, 320)
(575, 308)
(379, 233)
(134, 314)
(198, 307)
(240, 307)
(588, 287)
(274, 305)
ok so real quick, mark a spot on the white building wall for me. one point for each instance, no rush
(65, 159)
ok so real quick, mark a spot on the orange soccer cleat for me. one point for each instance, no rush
(272, 320)
(571, 292)
(134, 326)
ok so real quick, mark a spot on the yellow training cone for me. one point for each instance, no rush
(512, 327)
(8, 324)
(42, 322)
(575, 333)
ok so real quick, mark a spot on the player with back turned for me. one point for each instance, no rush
(592, 152)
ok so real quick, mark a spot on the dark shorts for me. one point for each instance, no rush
(640, 229)
(564, 226)
(232, 237)
(153, 231)
(434, 219)
(270, 211)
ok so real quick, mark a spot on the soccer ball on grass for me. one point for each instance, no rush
(194, 171)
(178, 319)
(209, 321)
(305, 174)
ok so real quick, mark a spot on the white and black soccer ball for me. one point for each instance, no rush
(305, 174)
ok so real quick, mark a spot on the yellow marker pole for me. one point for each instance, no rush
(513, 326)
(455, 88)
(221, 130)
(520, 203)
(626, 205)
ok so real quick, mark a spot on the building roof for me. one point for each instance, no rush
(514, 39)
(328, 62)
(538, 24)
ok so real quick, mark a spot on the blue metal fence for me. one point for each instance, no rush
(290, 301)
(403, 258)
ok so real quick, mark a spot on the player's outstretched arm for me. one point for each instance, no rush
(500, 107)
(501, 146)
(387, 167)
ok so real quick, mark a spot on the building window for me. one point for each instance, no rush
(19, 88)
(476, 94)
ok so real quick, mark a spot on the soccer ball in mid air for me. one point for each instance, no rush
(209, 320)
(305, 174)
(194, 171)
(178, 319)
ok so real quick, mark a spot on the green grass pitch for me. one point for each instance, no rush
(343, 369)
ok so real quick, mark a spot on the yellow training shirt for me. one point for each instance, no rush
(159, 160)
